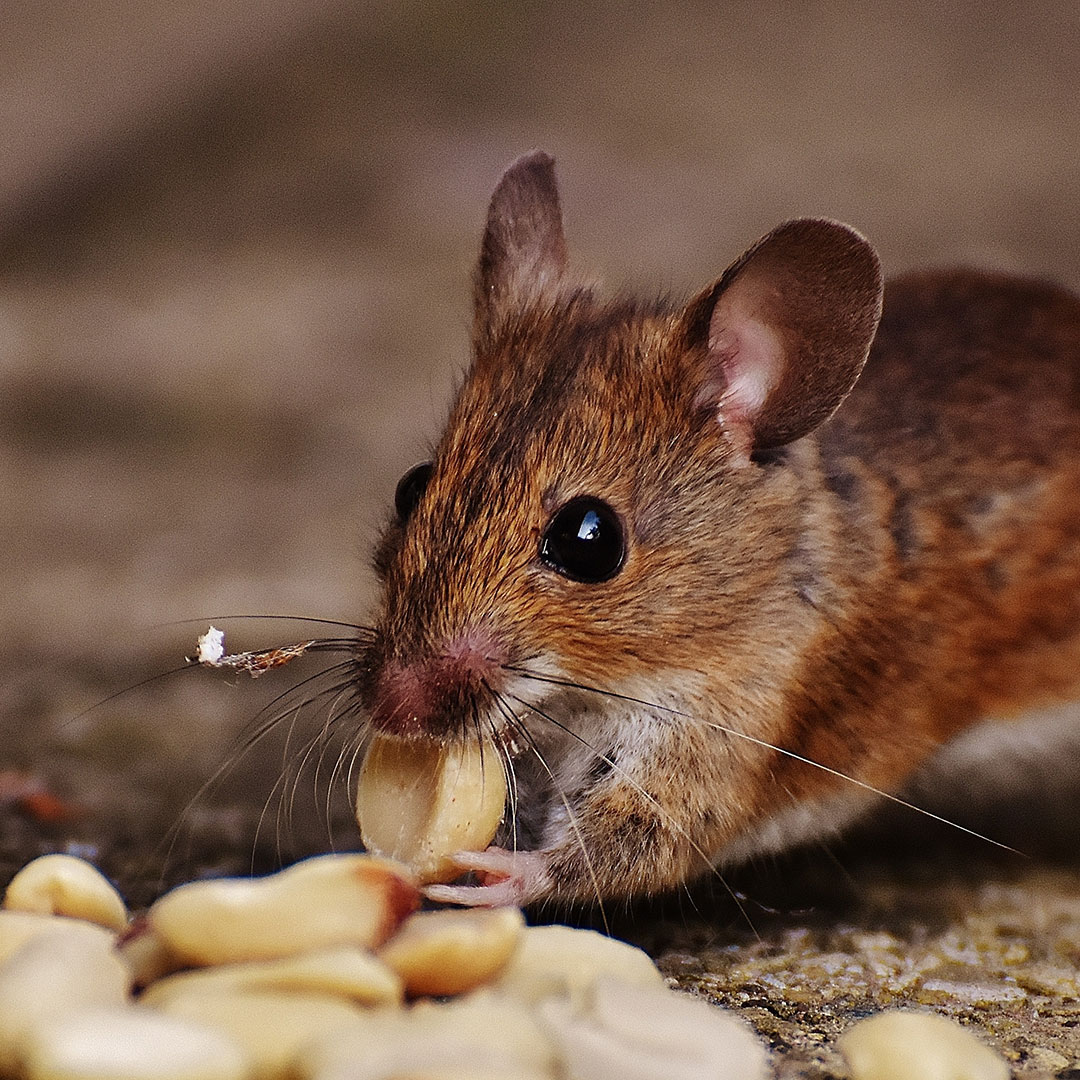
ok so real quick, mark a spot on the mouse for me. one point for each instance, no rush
(713, 575)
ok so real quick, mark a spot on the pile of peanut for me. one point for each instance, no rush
(328, 971)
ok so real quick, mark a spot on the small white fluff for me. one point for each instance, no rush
(211, 646)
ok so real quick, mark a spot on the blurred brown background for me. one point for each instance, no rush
(235, 248)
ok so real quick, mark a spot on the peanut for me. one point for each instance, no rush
(553, 961)
(899, 1045)
(619, 1031)
(327, 900)
(65, 885)
(342, 970)
(478, 1037)
(133, 1043)
(421, 801)
(54, 974)
(270, 1026)
(450, 952)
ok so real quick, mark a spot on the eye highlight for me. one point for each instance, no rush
(409, 490)
(584, 541)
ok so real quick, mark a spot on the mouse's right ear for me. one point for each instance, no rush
(778, 342)
(523, 255)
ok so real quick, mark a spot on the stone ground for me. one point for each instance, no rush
(235, 247)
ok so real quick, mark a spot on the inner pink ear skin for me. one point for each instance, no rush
(747, 362)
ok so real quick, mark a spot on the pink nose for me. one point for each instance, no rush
(437, 695)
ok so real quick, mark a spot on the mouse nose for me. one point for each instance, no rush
(440, 694)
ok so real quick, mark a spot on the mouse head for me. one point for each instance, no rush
(600, 508)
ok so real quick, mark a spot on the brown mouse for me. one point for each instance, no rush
(707, 573)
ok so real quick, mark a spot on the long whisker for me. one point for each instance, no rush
(314, 748)
(510, 774)
(186, 666)
(296, 764)
(284, 817)
(506, 764)
(333, 669)
(658, 806)
(324, 737)
(359, 628)
(345, 764)
(735, 733)
(257, 729)
(288, 782)
(516, 723)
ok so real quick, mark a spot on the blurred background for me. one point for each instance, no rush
(236, 241)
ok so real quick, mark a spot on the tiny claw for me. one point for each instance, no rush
(504, 894)
(504, 879)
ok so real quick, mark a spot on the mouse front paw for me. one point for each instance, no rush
(502, 879)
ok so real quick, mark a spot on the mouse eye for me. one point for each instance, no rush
(410, 488)
(584, 541)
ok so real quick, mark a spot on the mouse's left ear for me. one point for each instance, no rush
(523, 255)
(783, 335)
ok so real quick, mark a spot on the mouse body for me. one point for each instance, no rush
(709, 574)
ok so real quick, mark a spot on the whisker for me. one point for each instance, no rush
(288, 783)
(284, 818)
(278, 786)
(358, 627)
(296, 765)
(342, 772)
(257, 729)
(357, 750)
(324, 737)
(506, 764)
(333, 669)
(791, 754)
(510, 774)
(571, 817)
(160, 675)
(665, 814)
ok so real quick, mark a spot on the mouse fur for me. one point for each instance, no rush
(852, 531)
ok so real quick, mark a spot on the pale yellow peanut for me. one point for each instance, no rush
(451, 952)
(481, 1036)
(898, 1045)
(328, 900)
(130, 1043)
(19, 927)
(271, 1027)
(422, 801)
(54, 974)
(553, 961)
(619, 1031)
(344, 971)
(65, 885)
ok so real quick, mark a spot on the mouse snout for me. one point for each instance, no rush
(440, 693)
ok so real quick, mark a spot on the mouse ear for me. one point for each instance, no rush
(785, 332)
(523, 255)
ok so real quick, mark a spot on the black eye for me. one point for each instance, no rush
(584, 541)
(410, 488)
